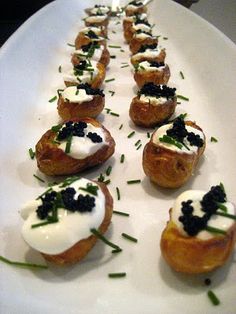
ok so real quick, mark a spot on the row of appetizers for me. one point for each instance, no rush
(201, 232)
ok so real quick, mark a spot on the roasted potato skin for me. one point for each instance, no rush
(160, 58)
(136, 43)
(156, 77)
(98, 24)
(91, 109)
(105, 58)
(83, 40)
(195, 256)
(97, 80)
(53, 161)
(147, 115)
(138, 10)
(127, 25)
(78, 251)
(168, 168)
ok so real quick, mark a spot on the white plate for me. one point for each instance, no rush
(29, 77)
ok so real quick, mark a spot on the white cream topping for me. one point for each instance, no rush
(82, 147)
(96, 18)
(86, 77)
(102, 9)
(142, 36)
(96, 30)
(215, 221)
(72, 226)
(149, 53)
(75, 95)
(132, 18)
(96, 55)
(143, 27)
(153, 100)
(133, 7)
(162, 131)
(146, 66)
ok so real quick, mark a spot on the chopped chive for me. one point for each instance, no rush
(69, 181)
(114, 32)
(101, 178)
(213, 139)
(109, 80)
(148, 135)
(41, 195)
(118, 193)
(122, 50)
(111, 92)
(170, 140)
(59, 92)
(68, 144)
(215, 230)
(21, 264)
(124, 63)
(136, 144)
(116, 275)
(222, 187)
(52, 99)
(183, 97)
(114, 114)
(165, 38)
(226, 215)
(116, 251)
(121, 126)
(120, 213)
(125, 235)
(101, 237)
(38, 178)
(118, 22)
(113, 57)
(108, 171)
(71, 45)
(222, 207)
(92, 189)
(133, 181)
(181, 74)
(107, 110)
(140, 145)
(56, 128)
(107, 182)
(59, 69)
(44, 223)
(178, 102)
(131, 134)
(124, 66)
(213, 297)
(31, 153)
(122, 158)
(114, 46)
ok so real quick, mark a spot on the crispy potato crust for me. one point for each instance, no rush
(97, 80)
(68, 110)
(194, 256)
(83, 40)
(156, 77)
(98, 24)
(136, 43)
(160, 58)
(81, 248)
(147, 115)
(53, 161)
(127, 24)
(168, 168)
(138, 10)
(105, 58)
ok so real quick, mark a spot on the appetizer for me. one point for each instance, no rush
(98, 9)
(129, 20)
(80, 101)
(141, 38)
(97, 20)
(201, 232)
(74, 146)
(93, 51)
(153, 105)
(60, 221)
(151, 71)
(138, 25)
(135, 7)
(85, 71)
(171, 156)
(88, 35)
(149, 53)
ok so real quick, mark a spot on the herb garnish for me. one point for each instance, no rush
(114, 114)
(108, 171)
(116, 275)
(120, 213)
(101, 237)
(31, 153)
(92, 189)
(140, 145)
(114, 46)
(126, 236)
(68, 144)
(56, 128)
(71, 45)
(59, 69)
(213, 139)
(133, 181)
(109, 80)
(131, 134)
(124, 66)
(181, 74)
(53, 99)
(122, 158)
(69, 181)
(118, 193)
(21, 264)
(213, 297)
(38, 178)
(121, 126)
(170, 140)
(182, 97)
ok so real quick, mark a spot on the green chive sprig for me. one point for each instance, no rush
(109, 80)
(108, 171)
(213, 298)
(128, 237)
(133, 181)
(31, 153)
(213, 139)
(131, 134)
(116, 275)
(183, 97)
(181, 74)
(170, 140)
(121, 126)
(117, 212)
(114, 114)
(22, 264)
(53, 99)
(122, 158)
(118, 193)
(215, 230)
(38, 178)
(114, 46)
(101, 237)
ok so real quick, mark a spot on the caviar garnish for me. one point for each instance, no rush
(150, 89)
(70, 128)
(143, 48)
(140, 21)
(207, 281)
(89, 90)
(156, 64)
(136, 3)
(210, 203)
(140, 31)
(94, 137)
(90, 49)
(92, 35)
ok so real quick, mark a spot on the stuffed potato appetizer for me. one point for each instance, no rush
(60, 223)
(171, 156)
(85, 71)
(151, 71)
(74, 146)
(141, 38)
(90, 35)
(93, 51)
(149, 53)
(153, 105)
(80, 101)
(141, 25)
(135, 7)
(200, 236)
(129, 20)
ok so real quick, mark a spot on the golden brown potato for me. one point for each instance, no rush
(82, 40)
(90, 21)
(81, 248)
(168, 168)
(127, 23)
(138, 10)
(53, 161)
(148, 115)
(192, 255)
(157, 77)
(70, 110)
(136, 43)
(97, 80)
(139, 57)
(104, 59)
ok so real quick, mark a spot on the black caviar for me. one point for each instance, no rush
(89, 90)
(135, 3)
(144, 21)
(140, 31)
(92, 35)
(95, 138)
(88, 47)
(143, 48)
(193, 224)
(156, 64)
(150, 89)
